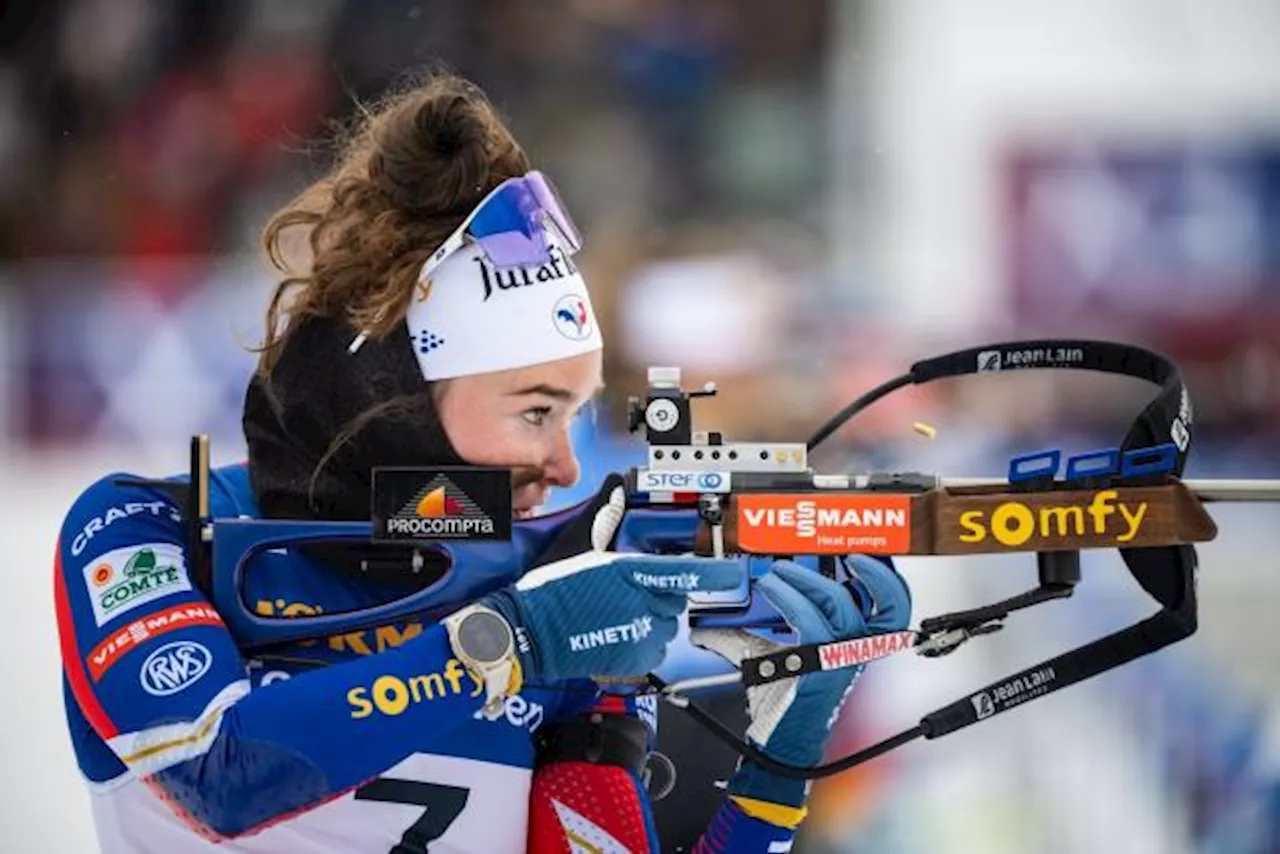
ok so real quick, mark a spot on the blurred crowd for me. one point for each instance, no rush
(691, 139)
(159, 129)
(155, 139)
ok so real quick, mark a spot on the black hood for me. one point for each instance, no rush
(316, 392)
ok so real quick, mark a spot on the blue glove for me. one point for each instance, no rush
(791, 719)
(593, 612)
(604, 613)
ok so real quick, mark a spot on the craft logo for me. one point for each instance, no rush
(571, 317)
(392, 695)
(442, 504)
(824, 524)
(1039, 357)
(99, 523)
(107, 653)
(1014, 523)
(174, 667)
(123, 579)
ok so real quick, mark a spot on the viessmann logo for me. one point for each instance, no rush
(824, 524)
(453, 504)
(144, 629)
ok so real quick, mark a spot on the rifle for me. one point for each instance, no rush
(699, 493)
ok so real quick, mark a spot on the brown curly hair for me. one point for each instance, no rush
(408, 173)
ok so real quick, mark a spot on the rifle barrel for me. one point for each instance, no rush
(1232, 490)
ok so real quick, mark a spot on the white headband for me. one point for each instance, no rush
(470, 318)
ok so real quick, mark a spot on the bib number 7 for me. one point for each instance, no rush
(443, 805)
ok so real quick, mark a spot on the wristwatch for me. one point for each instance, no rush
(485, 644)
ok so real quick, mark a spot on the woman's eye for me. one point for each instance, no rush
(538, 415)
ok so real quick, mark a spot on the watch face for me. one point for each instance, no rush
(485, 637)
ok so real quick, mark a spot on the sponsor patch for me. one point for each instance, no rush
(392, 695)
(850, 653)
(174, 667)
(123, 579)
(449, 503)
(824, 524)
(143, 629)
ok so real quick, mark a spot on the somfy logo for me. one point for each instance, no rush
(174, 667)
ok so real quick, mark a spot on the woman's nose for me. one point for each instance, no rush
(562, 467)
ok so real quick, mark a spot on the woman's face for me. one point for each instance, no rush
(520, 419)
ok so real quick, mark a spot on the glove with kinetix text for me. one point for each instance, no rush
(599, 612)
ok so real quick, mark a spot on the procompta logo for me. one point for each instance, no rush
(456, 503)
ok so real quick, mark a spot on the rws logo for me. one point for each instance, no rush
(174, 667)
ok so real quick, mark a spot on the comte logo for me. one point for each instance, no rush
(442, 504)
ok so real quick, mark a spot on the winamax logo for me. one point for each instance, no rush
(440, 509)
(123, 579)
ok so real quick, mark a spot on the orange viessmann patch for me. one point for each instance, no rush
(145, 628)
(824, 524)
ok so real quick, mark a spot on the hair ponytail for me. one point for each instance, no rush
(416, 164)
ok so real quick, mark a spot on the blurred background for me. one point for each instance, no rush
(795, 200)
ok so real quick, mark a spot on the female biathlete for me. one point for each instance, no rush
(429, 313)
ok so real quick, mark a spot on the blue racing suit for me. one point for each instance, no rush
(363, 743)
